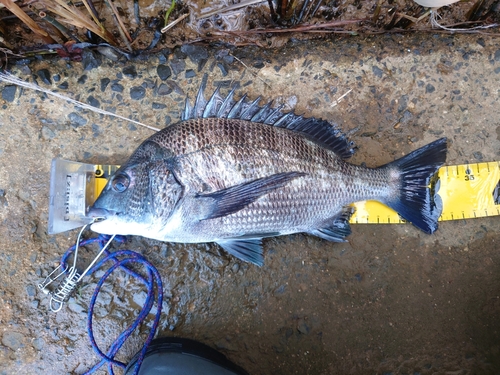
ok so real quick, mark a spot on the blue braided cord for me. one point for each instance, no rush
(153, 277)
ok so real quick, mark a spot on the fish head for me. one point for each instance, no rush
(138, 198)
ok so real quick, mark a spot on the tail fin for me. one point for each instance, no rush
(415, 203)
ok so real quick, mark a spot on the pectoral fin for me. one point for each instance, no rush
(248, 250)
(227, 201)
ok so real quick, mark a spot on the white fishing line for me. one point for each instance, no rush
(434, 22)
(9, 78)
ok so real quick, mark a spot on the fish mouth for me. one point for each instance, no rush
(99, 214)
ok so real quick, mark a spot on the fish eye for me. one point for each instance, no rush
(120, 183)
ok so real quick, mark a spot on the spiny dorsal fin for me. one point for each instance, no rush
(319, 131)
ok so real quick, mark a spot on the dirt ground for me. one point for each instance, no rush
(392, 300)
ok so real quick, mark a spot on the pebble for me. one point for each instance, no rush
(140, 298)
(159, 106)
(93, 102)
(302, 327)
(478, 155)
(164, 89)
(89, 60)
(13, 340)
(223, 69)
(104, 83)
(109, 52)
(9, 93)
(195, 53)
(56, 77)
(190, 73)
(38, 343)
(429, 88)
(178, 66)
(74, 306)
(63, 86)
(179, 54)
(130, 72)
(82, 79)
(30, 289)
(164, 72)
(44, 75)
(137, 92)
(497, 55)
(116, 87)
(377, 71)
(76, 120)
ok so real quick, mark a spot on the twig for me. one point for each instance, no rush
(9, 78)
(173, 23)
(230, 8)
(14, 8)
(341, 97)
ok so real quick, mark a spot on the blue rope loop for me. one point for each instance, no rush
(152, 282)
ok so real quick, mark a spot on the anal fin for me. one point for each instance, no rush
(248, 250)
(340, 228)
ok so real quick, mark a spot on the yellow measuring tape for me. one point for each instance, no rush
(467, 191)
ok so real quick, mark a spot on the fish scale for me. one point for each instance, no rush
(217, 176)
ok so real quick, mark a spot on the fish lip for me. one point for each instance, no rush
(98, 214)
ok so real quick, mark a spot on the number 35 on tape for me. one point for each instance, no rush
(465, 191)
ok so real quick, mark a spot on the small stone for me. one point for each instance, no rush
(30, 289)
(9, 93)
(478, 155)
(178, 66)
(109, 52)
(140, 298)
(89, 60)
(228, 59)
(179, 54)
(38, 343)
(76, 120)
(116, 87)
(74, 306)
(164, 89)
(63, 86)
(223, 69)
(130, 72)
(377, 71)
(159, 106)
(44, 75)
(429, 88)
(132, 127)
(13, 340)
(93, 101)
(259, 65)
(163, 71)
(190, 73)
(56, 77)
(104, 84)
(302, 327)
(195, 53)
(82, 79)
(497, 55)
(137, 92)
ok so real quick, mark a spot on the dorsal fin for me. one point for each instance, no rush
(319, 131)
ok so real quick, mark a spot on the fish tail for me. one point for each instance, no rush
(413, 200)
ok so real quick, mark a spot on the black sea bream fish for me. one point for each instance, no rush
(233, 172)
